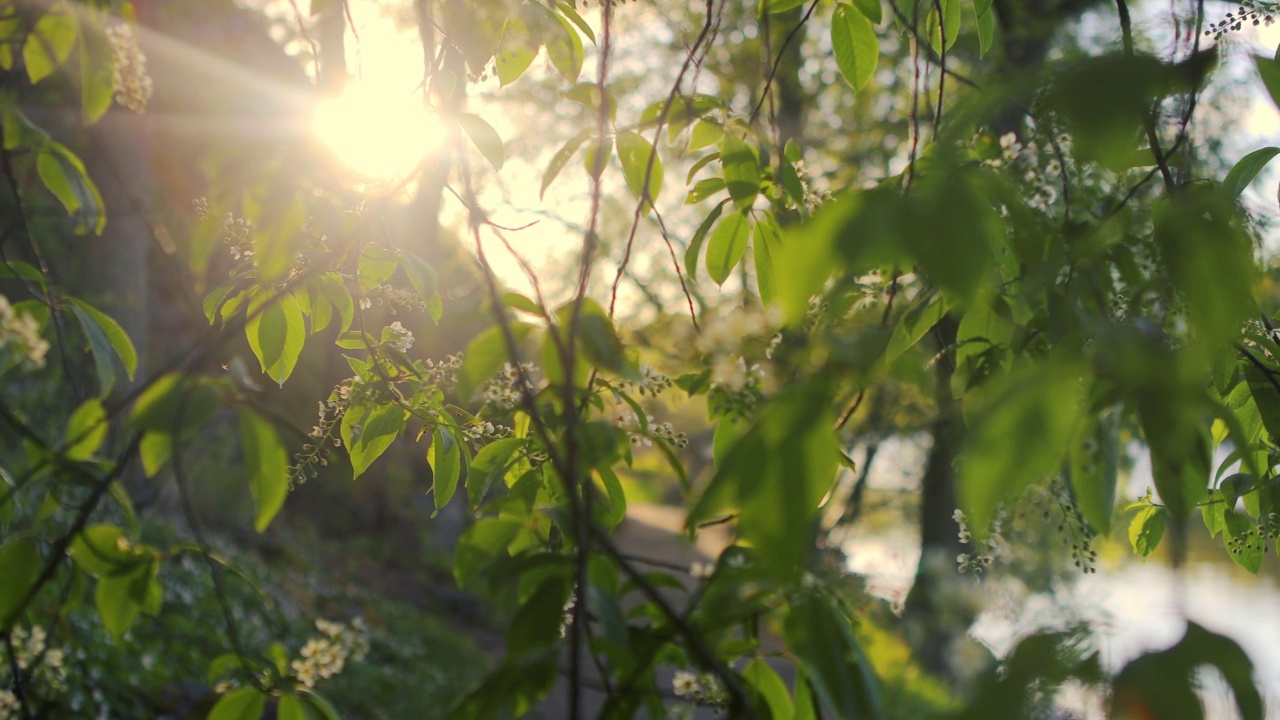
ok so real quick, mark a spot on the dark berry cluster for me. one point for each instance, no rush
(1251, 12)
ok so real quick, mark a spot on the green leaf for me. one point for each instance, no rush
(948, 28)
(367, 431)
(597, 338)
(86, 430)
(105, 550)
(1094, 466)
(334, 290)
(276, 332)
(96, 67)
(119, 598)
(727, 245)
(1246, 170)
(425, 282)
(705, 134)
(445, 458)
(775, 476)
(1245, 545)
(986, 32)
(576, 19)
(870, 9)
(916, 322)
(267, 462)
(50, 42)
(20, 567)
(823, 642)
(176, 404)
(489, 466)
(1020, 436)
(246, 703)
(741, 170)
(1269, 71)
(766, 238)
(515, 52)
(561, 157)
(593, 161)
(640, 161)
(537, 622)
(485, 355)
(856, 47)
(1146, 529)
(564, 47)
(65, 176)
(771, 7)
(615, 507)
(704, 189)
(377, 264)
(107, 340)
(765, 681)
(484, 137)
(695, 243)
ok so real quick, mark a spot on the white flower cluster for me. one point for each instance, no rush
(41, 668)
(1039, 170)
(484, 431)
(699, 570)
(629, 422)
(507, 387)
(235, 233)
(651, 381)
(325, 656)
(398, 337)
(391, 297)
(974, 562)
(738, 386)
(20, 334)
(445, 372)
(566, 614)
(703, 689)
(129, 77)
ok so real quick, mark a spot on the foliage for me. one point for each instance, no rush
(1075, 276)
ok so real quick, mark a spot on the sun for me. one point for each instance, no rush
(378, 132)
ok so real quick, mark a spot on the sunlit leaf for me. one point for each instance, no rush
(640, 163)
(741, 170)
(117, 339)
(1021, 436)
(50, 42)
(246, 703)
(445, 458)
(267, 462)
(1244, 171)
(726, 246)
(367, 431)
(764, 680)
(823, 642)
(484, 137)
(765, 239)
(276, 332)
(564, 47)
(1146, 529)
(489, 466)
(695, 243)
(856, 47)
(515, 52)
(561, 157)
(65, 176)
(86, 430)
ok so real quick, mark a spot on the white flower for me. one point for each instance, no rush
(684, 683)
(702, 570)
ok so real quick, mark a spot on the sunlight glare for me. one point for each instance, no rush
(378, 132)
